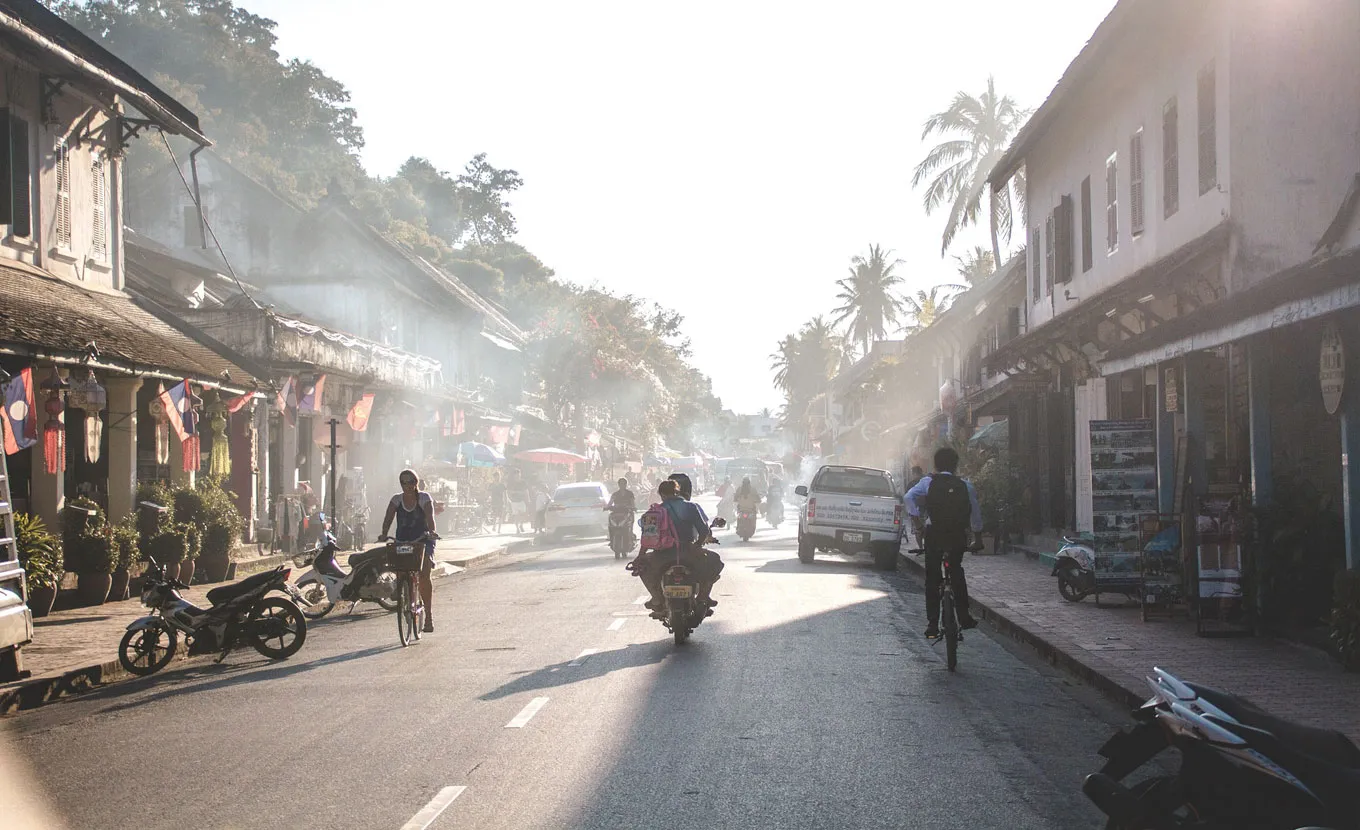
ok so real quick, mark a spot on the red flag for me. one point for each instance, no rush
(358, 416)
(19, 421)
(497, 435)
(237, 404)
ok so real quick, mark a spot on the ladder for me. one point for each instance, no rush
(16, 621)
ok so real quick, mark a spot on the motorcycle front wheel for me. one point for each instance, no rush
(147, 650)
(276, 628)
(390, 580)
(318, 600)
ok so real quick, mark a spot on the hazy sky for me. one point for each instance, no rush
(723, 158)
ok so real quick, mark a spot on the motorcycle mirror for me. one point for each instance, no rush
(719, 522)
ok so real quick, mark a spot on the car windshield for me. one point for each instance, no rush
(854, 483)
(578, 492)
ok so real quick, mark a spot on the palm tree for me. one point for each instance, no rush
(926, 307)
(976, 265)
(869, 295)
(982, 127)
(784, 362)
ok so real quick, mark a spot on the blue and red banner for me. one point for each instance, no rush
(19, 420)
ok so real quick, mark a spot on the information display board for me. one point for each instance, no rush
(1123, 489)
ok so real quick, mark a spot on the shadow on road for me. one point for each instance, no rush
(596, 665)
(816, 566)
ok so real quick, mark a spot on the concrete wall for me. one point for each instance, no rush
(1295, 142)
(1142, 73)
(78, 262)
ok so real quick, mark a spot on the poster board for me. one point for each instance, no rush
(1220, 603)
(1123, 489)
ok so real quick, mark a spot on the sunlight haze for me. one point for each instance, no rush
(723, 159)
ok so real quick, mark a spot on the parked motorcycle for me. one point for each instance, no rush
(243, 611)
(680, 586)
(774, 513)
(746, 524)
(368, 580)
(621, 538)
(1240, 767)
(1075, 568)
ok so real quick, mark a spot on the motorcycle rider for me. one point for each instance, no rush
(712, 561)
(413, 510)
(692, 532)
(747, 498)
(943, 513)
(774, 499)
(622, 501)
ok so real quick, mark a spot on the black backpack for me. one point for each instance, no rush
(947, 504)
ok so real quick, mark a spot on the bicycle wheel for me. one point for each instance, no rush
(417, 607)
(406, 621)
(951, 629)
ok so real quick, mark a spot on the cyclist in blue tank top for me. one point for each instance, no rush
(413, 510)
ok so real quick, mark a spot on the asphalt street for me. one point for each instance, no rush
(547, 698)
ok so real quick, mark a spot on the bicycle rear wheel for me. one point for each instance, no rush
(951, 630)
(407, 632)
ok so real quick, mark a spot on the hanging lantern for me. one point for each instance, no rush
(54, 431)
(219, 460)
(161, 422)
(91, 398)
(192, 448)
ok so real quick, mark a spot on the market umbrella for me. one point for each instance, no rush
(479, 455)
(551, 455)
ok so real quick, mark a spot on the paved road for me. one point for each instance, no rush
(809, 701)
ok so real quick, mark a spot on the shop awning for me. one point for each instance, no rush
(48, 318)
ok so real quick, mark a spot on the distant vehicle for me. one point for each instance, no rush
(776, 468)
(850, 510)
(579, 509)
(752, 468)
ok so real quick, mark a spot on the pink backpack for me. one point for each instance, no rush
(658, 529)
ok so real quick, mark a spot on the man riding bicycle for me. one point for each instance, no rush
(413, 510)
(944, 508)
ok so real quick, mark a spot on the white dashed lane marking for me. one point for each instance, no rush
(431, 811)
(616, 624)
(581, 658)
(527, 713)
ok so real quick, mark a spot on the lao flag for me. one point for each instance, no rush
(177, 409)
(237, 404)
(311, 396)
(20, 422)
(358, 416)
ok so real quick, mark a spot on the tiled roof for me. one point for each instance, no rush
(39, 312)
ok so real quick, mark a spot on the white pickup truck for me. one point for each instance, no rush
(850, 510)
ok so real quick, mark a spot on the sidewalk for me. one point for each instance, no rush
(1113, 649)
(77, 649)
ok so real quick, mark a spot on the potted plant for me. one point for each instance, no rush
(40, 557)
(87, 541)
(125, 541)
(219, 523)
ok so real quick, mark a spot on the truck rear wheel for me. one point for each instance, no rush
(806, 551)
(885, 557)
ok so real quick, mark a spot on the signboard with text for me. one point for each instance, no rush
(1332, 368)
(1123, 490)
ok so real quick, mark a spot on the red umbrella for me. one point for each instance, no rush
(551, 455)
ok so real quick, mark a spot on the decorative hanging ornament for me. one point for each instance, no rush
(219, 460)
(91, 398)
(161, 422)
(54, 431)
(193, 458)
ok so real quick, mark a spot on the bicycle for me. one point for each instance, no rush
(407, 559)
(949, 619)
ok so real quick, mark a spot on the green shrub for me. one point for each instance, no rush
(1346, 619)
(86, 538)
(212, 511)
(39, 551)
(152, 523)
(127, 543)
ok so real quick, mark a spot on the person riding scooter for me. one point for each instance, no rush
(622, 505)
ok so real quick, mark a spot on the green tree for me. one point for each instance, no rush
(981, 128)
(976, 265)
(804, 364)
(926, 306)
(870, 302)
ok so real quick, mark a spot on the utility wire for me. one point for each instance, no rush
(203, 217)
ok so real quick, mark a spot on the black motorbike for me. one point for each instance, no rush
(241, 612)
(1241, 768)
(680, 587)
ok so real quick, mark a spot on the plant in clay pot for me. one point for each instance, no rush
(40, 557)
(125, 541)
(90, 550)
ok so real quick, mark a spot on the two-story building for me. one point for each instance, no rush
(70, 108)
(1178, 178)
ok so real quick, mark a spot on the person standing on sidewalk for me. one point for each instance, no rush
(944, 508)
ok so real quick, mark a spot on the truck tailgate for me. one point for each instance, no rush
(868, 512)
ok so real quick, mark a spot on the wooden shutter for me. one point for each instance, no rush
(1086, 237)
(1013, 324)
(20, 190)
(63, 165)
(1049, 251)
(1035, 254)
(1112, 204)
(1136, 183)
(1208, 130)
(99, 245)
(1171, 160)
(1065, 240)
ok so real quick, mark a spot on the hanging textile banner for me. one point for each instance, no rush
(20, 419)
(310, 400)
(54, 430)
(358, 414)
(237, 404)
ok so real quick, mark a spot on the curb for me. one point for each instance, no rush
(30, 694)
(1119, 686)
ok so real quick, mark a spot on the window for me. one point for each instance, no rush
(1086, 224)
(63, 168)
(1208, 131)
(1063, 241)
(16, 184)
(1050, 265)
(1112, 203)
(99, 189)
(852, 482)
(1136, 183)
(1036, 271)
(1171, 160)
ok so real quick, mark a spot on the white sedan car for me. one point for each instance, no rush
(579, 509)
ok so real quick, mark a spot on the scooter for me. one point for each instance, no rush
(1075, 567)
(1241, 767)
(774, 513)
(680, 586)
(326, 583)
(621, 538)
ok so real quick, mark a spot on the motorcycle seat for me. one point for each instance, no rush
(227, 593)
(325, 564)
(1324, 744)
(358, 559)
